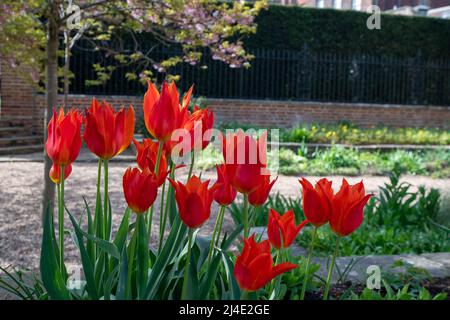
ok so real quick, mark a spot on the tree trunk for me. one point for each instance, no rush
(51, 87)
(66, 68)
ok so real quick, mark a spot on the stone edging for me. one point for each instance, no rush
(437, 265)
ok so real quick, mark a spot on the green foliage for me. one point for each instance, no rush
(18, 284)
(293, 280)
(348, 134)
(399, 220)
(404, 293)
(290, 27)
(351, 161)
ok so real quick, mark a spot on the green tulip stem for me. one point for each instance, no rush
(150, 210)
(245, 216)
(216, 230)
(186, 268)
(191, 166)
(98, 218)
(161, 210)
(274, 283)
(61, 219)
(308, 262)
(330, 270)
(166, 209)
(244, 295)
(220, 225)
(105, 202)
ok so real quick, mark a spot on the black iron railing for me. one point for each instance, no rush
(290, 75)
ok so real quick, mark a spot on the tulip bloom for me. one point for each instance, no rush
(246, 160)
(283, 226)
(254, 267)
(55, 173)
(195, 132)
(317, 201)
(163, 113)
(140, 189)
(147, 155)
(63, 137)
(194, 201)
(260, 195)
(348, 207)
(224, 193)
(198, 124)
(106, 132)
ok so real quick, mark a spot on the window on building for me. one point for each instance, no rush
(337, 4)
(320, 3)
(356, 5)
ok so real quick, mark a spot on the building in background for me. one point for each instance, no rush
(359, 5)
(429, 8)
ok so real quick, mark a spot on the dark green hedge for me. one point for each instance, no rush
(345, 31)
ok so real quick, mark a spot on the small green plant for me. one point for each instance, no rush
(404, 293)
(22, 284)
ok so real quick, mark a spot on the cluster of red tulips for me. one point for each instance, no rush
(107, 133)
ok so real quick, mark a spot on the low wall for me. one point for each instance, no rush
(286, 114)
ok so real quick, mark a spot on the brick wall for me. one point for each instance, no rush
(17, 98)
(286, 114)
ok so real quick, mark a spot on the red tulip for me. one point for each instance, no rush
(283, 226)
(55, 173)
(260, 195)
(254, 267)
(224, 193)
(246, 160)
(317, 201)
(140, 189)
(194, 201)
(196, 129)
(163, 113)
(198, 125)
(107, 133)
(147, 155)
(64, 138)
(348, 207)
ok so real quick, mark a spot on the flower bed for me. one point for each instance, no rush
(350, 162)
(346, 133)
(180, 265)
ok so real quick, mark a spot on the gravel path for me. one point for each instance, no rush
(20, 194)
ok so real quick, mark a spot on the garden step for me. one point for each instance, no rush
(21, 149)
(20, 140)
(6, 132)
(12, 121)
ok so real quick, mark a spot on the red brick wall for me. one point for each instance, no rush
(83, 101)
(286, 114)
(17, 98)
